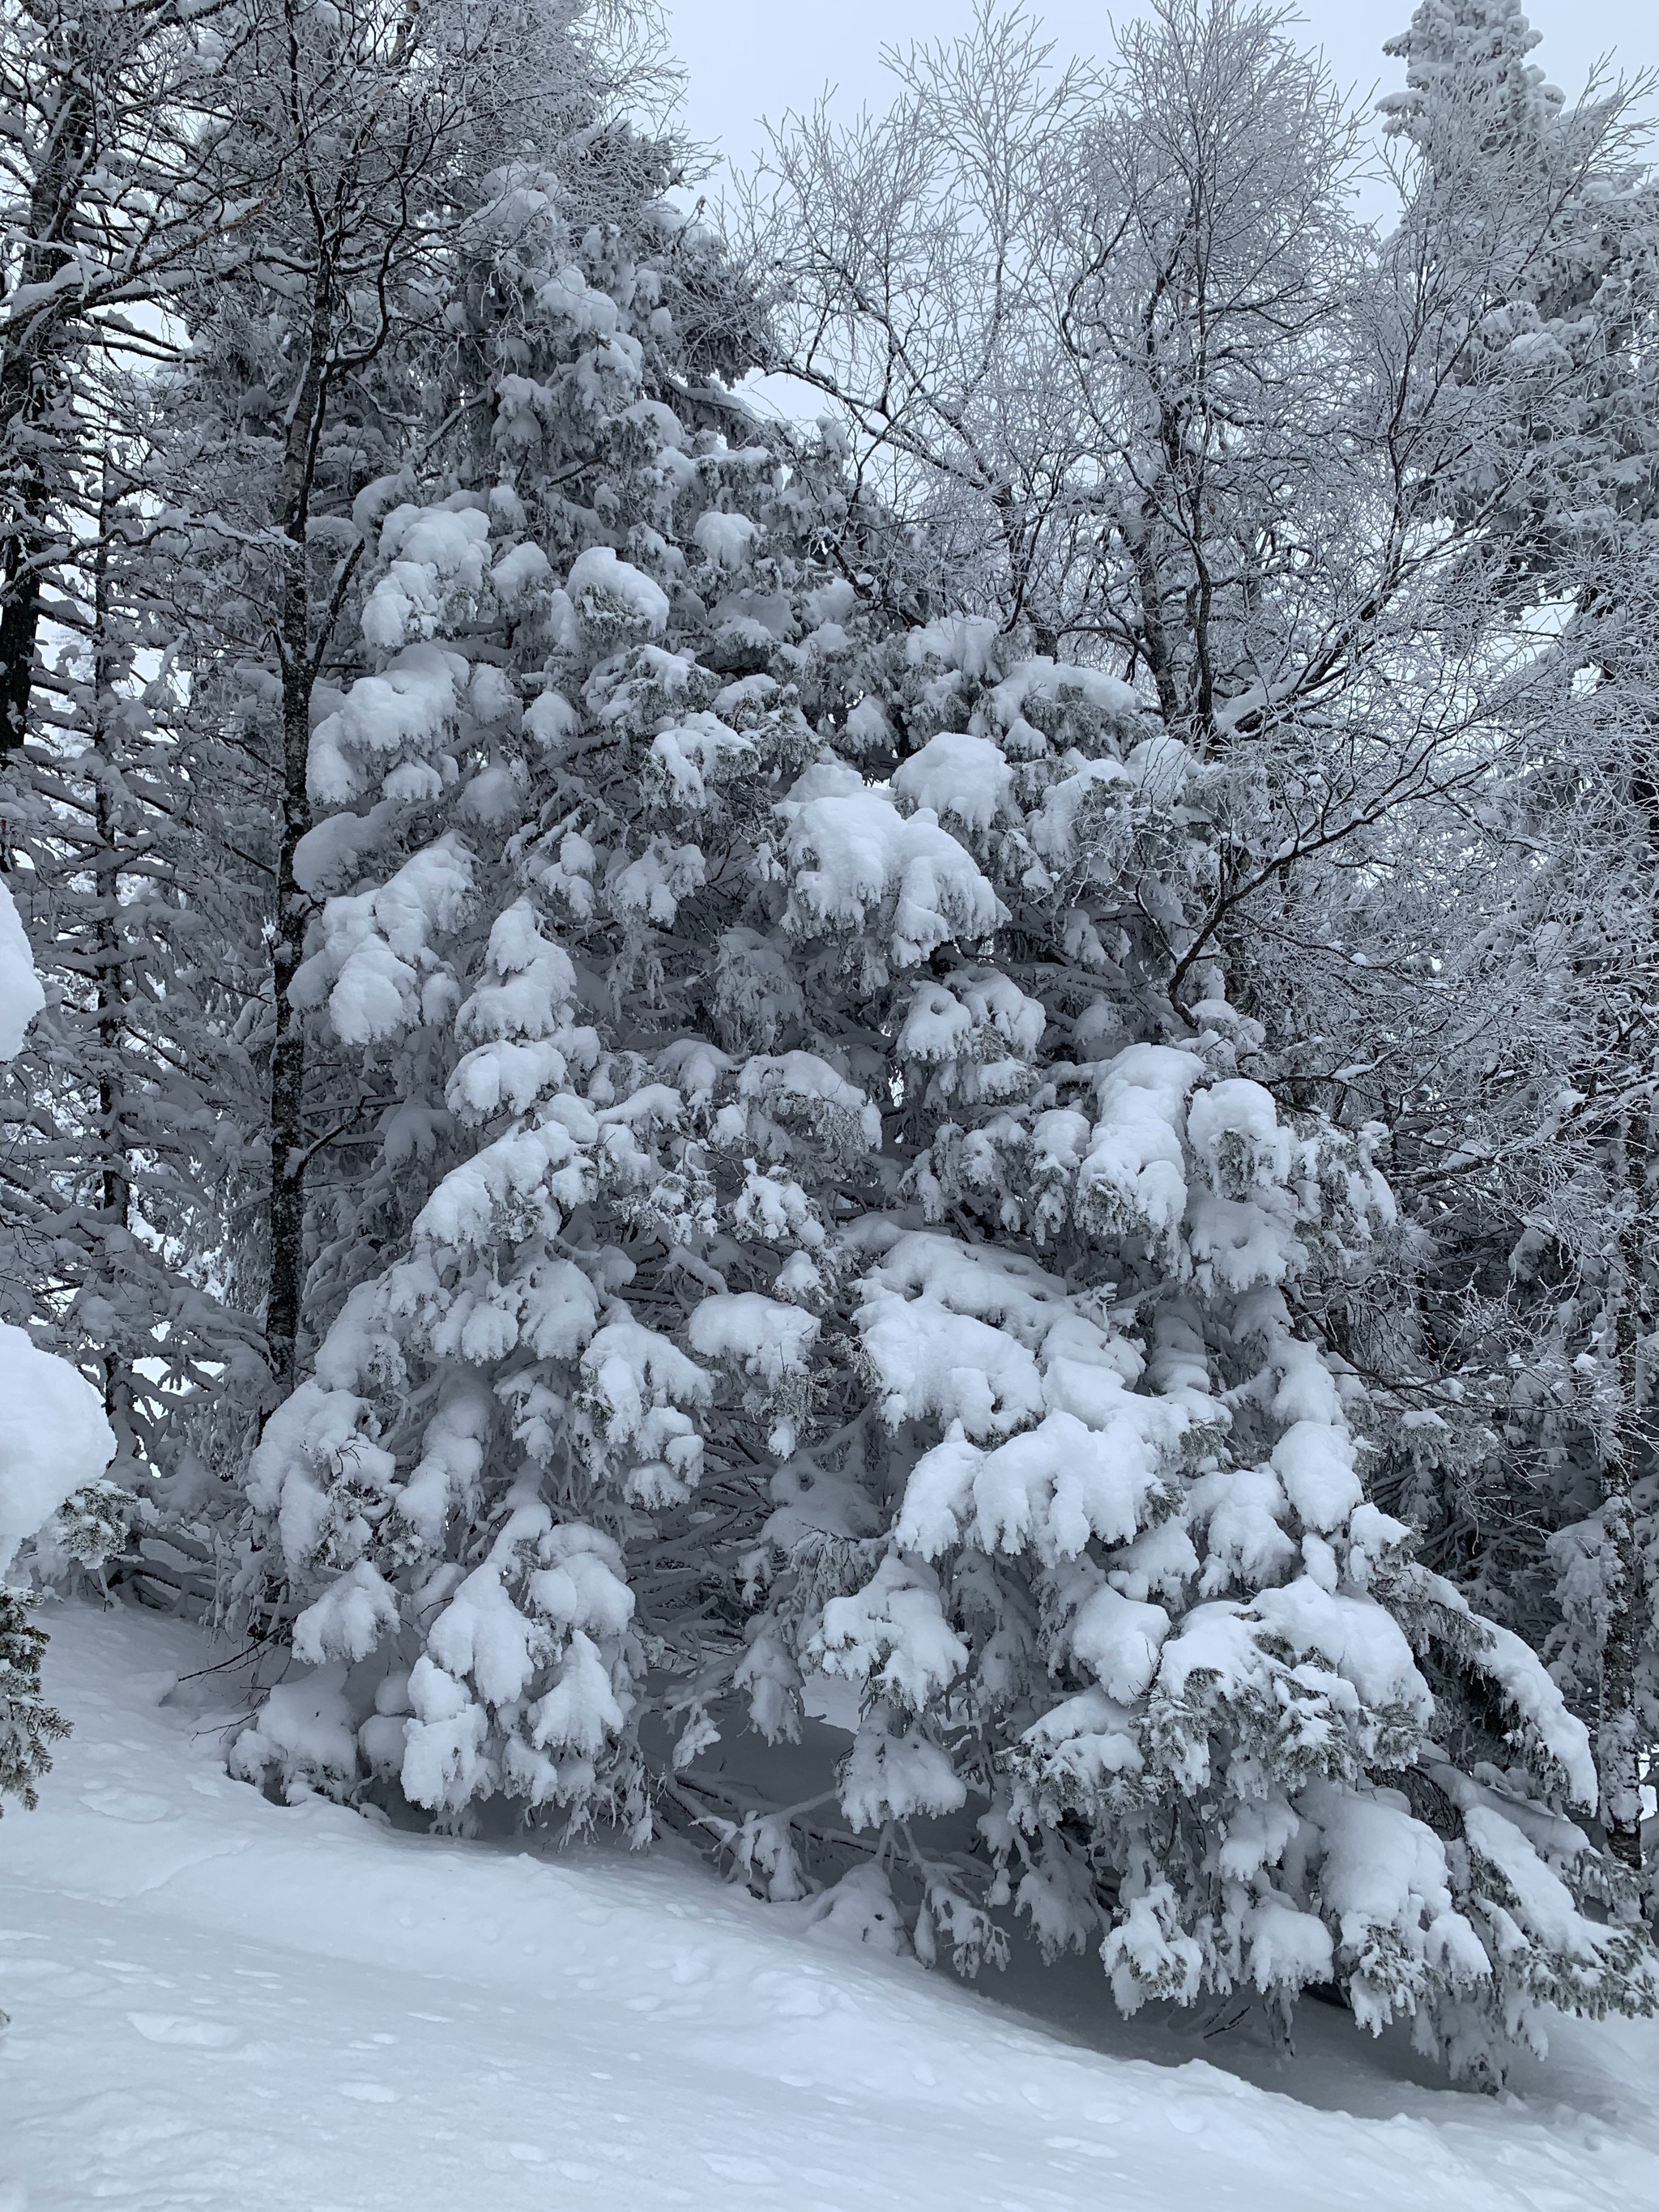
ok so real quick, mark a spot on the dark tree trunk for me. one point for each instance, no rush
(297, 650)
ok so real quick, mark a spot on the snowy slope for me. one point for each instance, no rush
(217, 2002)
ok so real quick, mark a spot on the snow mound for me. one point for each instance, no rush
(20, 995)
(53, 1438)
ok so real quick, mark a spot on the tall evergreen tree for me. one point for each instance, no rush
(776, 1209)
(847, 1250)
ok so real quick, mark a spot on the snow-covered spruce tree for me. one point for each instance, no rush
(28, 1723)
(1171, 1513)
(585, 325)
(321, 366)
(846, 1257)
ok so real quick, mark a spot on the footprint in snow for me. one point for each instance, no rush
(125, 1804)
(755, 2171)
(1089, 2148)
(175, 2027)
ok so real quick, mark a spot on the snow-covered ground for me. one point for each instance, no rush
(217, 2002)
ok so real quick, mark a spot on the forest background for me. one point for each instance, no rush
(916, 1132)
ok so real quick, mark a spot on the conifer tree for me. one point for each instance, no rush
(711, 1188)
(838, 1244)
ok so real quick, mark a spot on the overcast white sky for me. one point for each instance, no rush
(748, 58)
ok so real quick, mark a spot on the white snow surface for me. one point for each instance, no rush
(217, 2000)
